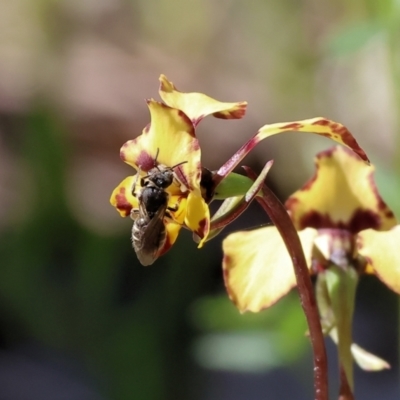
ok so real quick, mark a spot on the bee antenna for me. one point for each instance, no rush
(155, 159)
(177, 165)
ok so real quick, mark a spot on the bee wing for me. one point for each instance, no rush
(152, 238)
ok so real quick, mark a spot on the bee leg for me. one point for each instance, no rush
(134, 213)
(135, 183)
(173, 209)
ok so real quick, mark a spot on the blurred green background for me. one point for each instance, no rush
(80, 318)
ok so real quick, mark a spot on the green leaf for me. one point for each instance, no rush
(233, 185)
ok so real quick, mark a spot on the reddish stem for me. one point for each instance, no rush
(345, 392)
(280, 218)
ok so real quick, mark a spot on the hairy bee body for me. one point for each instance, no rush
(148, 231)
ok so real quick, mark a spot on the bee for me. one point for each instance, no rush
(148, 232)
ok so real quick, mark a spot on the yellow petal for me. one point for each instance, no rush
(174, 226)
(320, 126)
(198, 216)
(179, 205)
(171, 138)
(364, 359)
(172, 230)
(368, 361)
(342, 194)
(381, 249)
(197, 105)
(122, 198)
(257, 268)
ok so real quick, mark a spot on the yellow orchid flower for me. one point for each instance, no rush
(170, 141)
(342, 197)
(345, 229)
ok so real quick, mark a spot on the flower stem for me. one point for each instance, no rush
(280, 218)
(345, 392)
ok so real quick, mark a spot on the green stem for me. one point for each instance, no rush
(341, 286)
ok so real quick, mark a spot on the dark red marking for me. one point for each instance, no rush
(345, 135)
(359, 221)
(229, 166)
(293, 125)
(237, 113)
(195, 121)
(122, 202)
(188, 122)
(194, 145)
(123, 148)
(147, 128)
(164, 88)
(389, 214)
(382, 206)
(227, 261)
(167, 246)
(291, 203)
(182, 177)
(308, 185)
(145, 161)
(203, 226)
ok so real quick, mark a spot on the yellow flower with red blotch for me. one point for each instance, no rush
(343, 224)
(342, 200)
(170, 140)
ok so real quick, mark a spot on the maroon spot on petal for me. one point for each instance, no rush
(293, 125)
(345, 136)
(389, 214)
(194, 145)
(190, 124)
(182, 177)
(124, 147)
(195, 121)
(382, 206)
(359, 221)
(291, 203)
(122, 202)
(145, 161)
(167, 246)
(146, 130)
(226, 261)
(203, 226)
(167, 87)
(328, 153)
(237, 113)
(308, 185)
